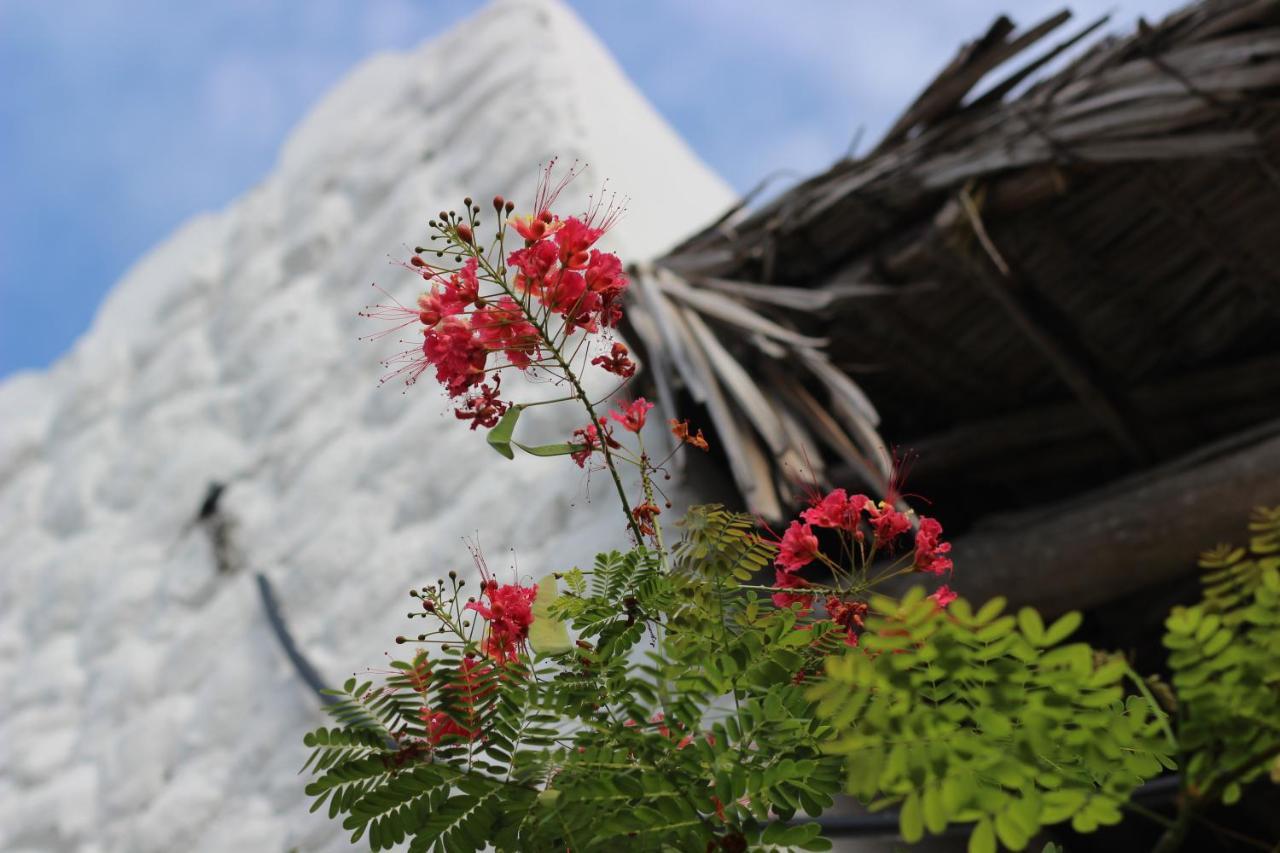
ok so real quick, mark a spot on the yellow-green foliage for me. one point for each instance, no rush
(1225, 657)
(984, 718)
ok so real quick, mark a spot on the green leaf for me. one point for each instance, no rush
(1063, 628)
(545, 449)
(935, 812)
(500, 436)
(989, 611)
(1032, 625)
(1011, 833)
(983, 837)
(547, 635)
(911, 819)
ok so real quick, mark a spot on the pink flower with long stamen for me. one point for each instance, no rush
(798, 548)
(837, 510)
(633, 415)
(509, 612)
(887, 522)
(943, 595)
(930, 550)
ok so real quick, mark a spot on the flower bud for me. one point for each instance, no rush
(465, 235)
(401, 640)
(498, 202)
(467, 201)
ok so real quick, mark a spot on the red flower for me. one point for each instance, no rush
(849, 615)
(604, 273)
(837, 510)
(617, 362)
(483, 409)
(633, 415)
(440, 725)
(929, 550)
(574, 240)
(888, 523)
(644, 515)
(533, 264)
(501, 325)
(533, 227)
(944, 595)
(467, 691)
(457, 354)
(436, 304)
(565, 292)
(463, 284)
(588, 441)
(790, 580)
(510, 613)
(798, 547)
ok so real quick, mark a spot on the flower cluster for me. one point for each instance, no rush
(866, 529)
(501, 308)
(595, 437)
(930, 551)
(509, 612)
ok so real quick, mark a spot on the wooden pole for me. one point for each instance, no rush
(1143, 531)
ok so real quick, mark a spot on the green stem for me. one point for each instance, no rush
(578, 391)
(1176, 832)
(1155, 706)
(1150, 815)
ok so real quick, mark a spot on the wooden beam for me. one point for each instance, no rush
(1097, 547)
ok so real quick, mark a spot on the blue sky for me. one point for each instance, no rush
(121, 118)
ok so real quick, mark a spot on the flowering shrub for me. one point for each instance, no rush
(701, 695)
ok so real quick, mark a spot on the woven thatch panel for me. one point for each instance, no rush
(1037, 293)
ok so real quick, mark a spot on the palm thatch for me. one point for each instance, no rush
(1040, 287)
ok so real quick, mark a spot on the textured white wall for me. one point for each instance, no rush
(145, 705)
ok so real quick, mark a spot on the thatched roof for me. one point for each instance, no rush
(1040, 292)
(1038, 287)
